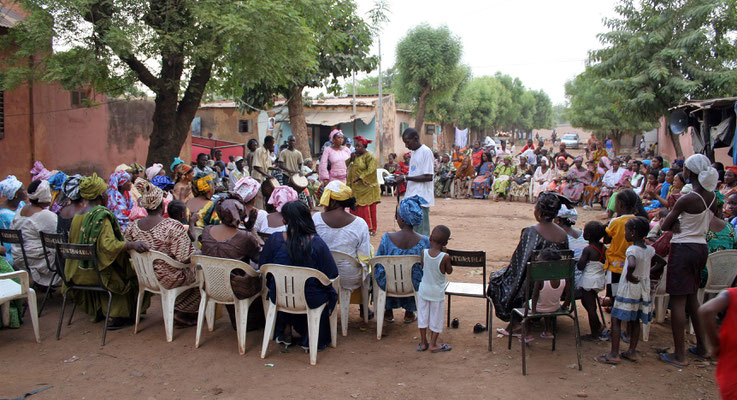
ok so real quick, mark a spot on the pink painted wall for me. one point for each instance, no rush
(668, 151)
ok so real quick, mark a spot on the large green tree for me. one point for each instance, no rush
(171, 48)
(543, 117)
(428, 68)
(596, 107)
(479, 103)
(343, 41)
(659, 53)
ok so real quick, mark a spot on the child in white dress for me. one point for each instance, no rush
(632, 302)
(431, 294)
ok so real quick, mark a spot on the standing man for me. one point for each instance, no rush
(420, 177)
(201, 168)
(261, 166)
(290, 159)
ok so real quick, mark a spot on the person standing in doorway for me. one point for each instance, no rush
(420, 177)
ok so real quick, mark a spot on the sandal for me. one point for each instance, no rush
(665, 358)
(604, 359)
(423, 348)
(544, 336)
(694, 350)
(443, 348)
(626, 356)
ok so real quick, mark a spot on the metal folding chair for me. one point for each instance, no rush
(81, 252)
(49, 241)
(468, 259)
(15, 236)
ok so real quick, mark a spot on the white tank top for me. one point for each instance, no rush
(432, 286)
(548, 299)
(694, 226)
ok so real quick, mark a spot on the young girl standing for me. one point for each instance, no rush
(593, 278)
(632, 303)
(431, 294)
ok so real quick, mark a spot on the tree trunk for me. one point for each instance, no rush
(675, 139)
(421, 106)
(297, 120)
(166, 140)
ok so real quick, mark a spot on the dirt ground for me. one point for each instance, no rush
(145, 366)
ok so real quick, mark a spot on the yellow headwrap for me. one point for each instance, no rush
(91, 187)
(202, 185)
(335, 190)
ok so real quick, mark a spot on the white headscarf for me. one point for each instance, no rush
(9, 186)
(42, 193)
(153, 170)
(701, 165)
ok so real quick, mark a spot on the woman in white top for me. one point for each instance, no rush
(688, 253)
(274, 222)
(344, 232)
(33, 219)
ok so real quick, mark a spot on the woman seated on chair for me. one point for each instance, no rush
(301, 246)
(405, 242)
(95, 224)
(227, 241)
(274, 222)
(33, 219)
(343, 232)
(171, 238)
(507, 286)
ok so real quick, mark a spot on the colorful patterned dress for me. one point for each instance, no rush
(482, 183)
(503, 174)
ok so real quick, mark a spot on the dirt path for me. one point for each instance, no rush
(145, 366)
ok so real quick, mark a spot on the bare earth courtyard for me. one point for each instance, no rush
(145, 366)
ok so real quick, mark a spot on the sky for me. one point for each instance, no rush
(542, 42)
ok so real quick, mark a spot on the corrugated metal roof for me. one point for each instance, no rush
(9, 18)
(695, 105)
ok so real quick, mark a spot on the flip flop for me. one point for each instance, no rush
(502, 331)
(528, 340)
(409, 321)
(626, 356)
(420, 348)
(664, 358)
(443, 348)
(604, 359)
(544, 336)
(693, 350)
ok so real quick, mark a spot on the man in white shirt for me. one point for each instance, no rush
(420, 176)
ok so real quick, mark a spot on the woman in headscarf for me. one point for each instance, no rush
(333, 160)
(70, 189)
(274, 222)
(401, 243)
(541, 178)
(364, 183)
(182, 190)
(134, 171)
(575, 181)
(39, 172)
(502, 175)
(203, 189)
(520, 183)
(171, 238)
(444, 177)
(507, 286)
(464, 179)
(597, 153)
(227, 241)
(343, 232)
(33, 219)
(247, 189)
(58, 200)
(154, 170)
(15, 198)
(481, 185)
(301, 246)
(403, 169)
(688, 254)
(119, 200)
(97, 225)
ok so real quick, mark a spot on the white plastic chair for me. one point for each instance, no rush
(398, 283)
(215, 288)
(344, 294)
(290, 298)
(722, 268)
(659, 303)
(380, 174)
(143, 264)
(11, 290)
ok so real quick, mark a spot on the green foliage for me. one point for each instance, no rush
(370, 84)
(543, 116)
(596, 107)
(342, 41)
(479, 103)
(659, 53)
(558, 114)
(428, 64)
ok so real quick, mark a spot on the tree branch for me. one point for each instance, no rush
(99, 15)
(195, 89)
